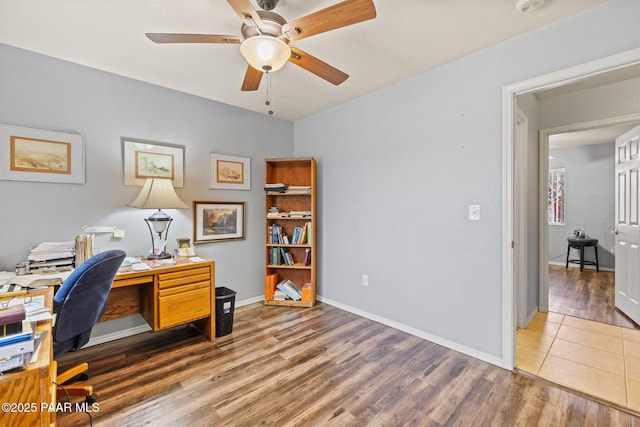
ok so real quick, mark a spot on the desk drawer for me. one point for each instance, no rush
(183, 277)
(183, 304)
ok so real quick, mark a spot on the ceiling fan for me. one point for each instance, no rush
(266, 36)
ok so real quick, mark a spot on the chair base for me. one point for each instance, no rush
(80, 371)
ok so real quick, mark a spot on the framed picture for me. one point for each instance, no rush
(146, 159)
(218, 221)
(41, 155)
(229, 172)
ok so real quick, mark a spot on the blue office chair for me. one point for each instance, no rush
(78, 304)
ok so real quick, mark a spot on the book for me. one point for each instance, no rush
(270, 286)
(291, 289)
(12, 314)
(277, 187)
(278, 295)
(26, 334)
(309, 233)
(307, 256)
(14, 362)
(286, 256)
(307, 292)
(289, 258)
(14, 349)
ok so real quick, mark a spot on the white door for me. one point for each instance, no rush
(627, 232)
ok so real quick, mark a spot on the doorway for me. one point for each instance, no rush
(586, 155)
(512, 198)
(513, 170)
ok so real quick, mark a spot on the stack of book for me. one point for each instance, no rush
(52, 255)
(17, 341)
(277, 187)
(274, 212)
(83, 248)
(290, 289)
(278, 295)
(298, 189)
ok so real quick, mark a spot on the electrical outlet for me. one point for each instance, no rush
(474, 212)
(365, 280)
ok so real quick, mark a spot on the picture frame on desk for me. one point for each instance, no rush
(229, 172)
(148, 159)
(218, 221)
(41, 155)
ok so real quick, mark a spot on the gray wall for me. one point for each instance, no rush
(41, 92)
(397, 170)
(400, 167)
(589, 200)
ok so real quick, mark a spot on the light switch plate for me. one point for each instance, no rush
(474, 212)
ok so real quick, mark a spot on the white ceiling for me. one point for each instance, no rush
(601, 135)
(406, 38)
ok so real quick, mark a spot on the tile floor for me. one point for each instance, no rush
(594, 358)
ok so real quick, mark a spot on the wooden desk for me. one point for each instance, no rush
(167, 296)
(30, 391)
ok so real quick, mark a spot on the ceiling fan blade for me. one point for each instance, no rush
(251, 79)
(244, 9)
(191, 38)
(319, 68)
(339, 15)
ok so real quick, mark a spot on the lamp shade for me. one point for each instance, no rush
(158, 193)
(265, 53)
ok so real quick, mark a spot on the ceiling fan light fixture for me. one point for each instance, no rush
(525, 6)
(265, 53)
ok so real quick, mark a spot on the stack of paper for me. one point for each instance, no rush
(52, 254)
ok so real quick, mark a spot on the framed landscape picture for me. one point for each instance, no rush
(218, 221)
(41, 155)
(229, 172)
(146, 159)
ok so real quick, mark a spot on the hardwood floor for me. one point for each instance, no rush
(319, 366)
(585, 294)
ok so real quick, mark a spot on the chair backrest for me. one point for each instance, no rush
(82, 299)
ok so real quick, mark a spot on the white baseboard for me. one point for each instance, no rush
(489, 358)
(532, 314)
(253, 300)
(112, 336)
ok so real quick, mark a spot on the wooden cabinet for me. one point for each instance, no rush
(290, 213)
(183, 296)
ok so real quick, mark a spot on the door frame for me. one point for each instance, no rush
(511, 198)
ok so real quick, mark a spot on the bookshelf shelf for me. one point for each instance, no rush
(277, 245)
(294, 266)
(290, 249)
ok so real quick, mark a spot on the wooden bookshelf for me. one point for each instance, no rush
(296, 210)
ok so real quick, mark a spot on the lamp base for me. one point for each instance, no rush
(162, 255)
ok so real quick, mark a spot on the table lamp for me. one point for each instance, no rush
(158, 193)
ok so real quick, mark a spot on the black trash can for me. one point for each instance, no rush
(225, 303)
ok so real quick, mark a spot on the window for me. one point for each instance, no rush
(556, 196)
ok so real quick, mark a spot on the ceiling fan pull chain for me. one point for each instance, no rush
(268, 101)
